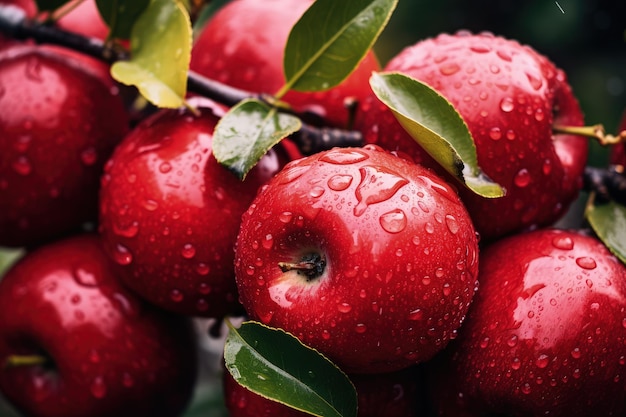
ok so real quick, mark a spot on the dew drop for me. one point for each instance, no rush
(453, 225)
(98, 388)
(176, 296)
(203, 269)
(85, 278)
(360, 328)
(449, 69)
(316, 191)
(429, 228)
(344, 307)
(393, 221)
(188, 251)
(122, 255)
(165, 167)
(89, 156)
(285, 217)
(526, 388)
(575, 353)
(542, 361)
(516, 364)
(22, 166)
(535, 82)
(495, 133)
(268, 241)
(539, 115)
(586, 262)
(339, 182)
(522, 178)
(377, 184)
(563, 242)
(128, 231)
(150, 205)
(344, 156)
(416, 314)
(512, 342)
(507, 105)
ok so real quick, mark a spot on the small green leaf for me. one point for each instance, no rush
(247, 132)
(608, 220)
(161, 51)
(292, 374)
(7, 258)
(436, 125)
(330, 40)
(50, 5)
(120, 15)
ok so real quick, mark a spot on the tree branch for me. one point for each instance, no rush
(313, 137)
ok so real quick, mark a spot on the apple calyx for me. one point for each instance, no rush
(14, 361)
(311, 265)
(594, 131)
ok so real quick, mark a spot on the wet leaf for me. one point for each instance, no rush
(329, 41)
(608, 220)
(436, 125)
(161, 51)
(120, 15)
(294, 374)
(247, 132)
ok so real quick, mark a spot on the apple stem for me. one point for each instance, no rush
(595, 131)
(311, 265)
(13, 361)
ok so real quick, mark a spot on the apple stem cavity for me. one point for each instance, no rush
(596, 131)
(14, 361)
(311, 265)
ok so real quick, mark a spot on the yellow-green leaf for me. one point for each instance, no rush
(438, 128)
(161, 51)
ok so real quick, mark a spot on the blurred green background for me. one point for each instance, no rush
(586, 38)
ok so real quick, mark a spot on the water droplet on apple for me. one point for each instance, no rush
(128, 231)
(122, 255)
(575, 353)
(344, 307)
(344, 156)
(535, 82)
(85, 278)
(292, 172)
(516, 364)
(176, 296)
(522, 178)
(188, 251)
(526, 389)
(416, 314)
(495, 133)
(202, 305)
(325, 335)
(453, 225)
(563, 242)
(360, 328)
(449, 68)
(512, 341)
(542, 361)
(268, 241)
(507, 105)
(339, 182)
(429, 228)
(393, 221)
(98, 387)
(22, 166)
(316, 191)
(377, 184)
(285, 216)
(89, 156)
(586, 262)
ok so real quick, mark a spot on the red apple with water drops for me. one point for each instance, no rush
(95, 349)
(545, 334)
(363, 255)
(243, 44)
(170, 213)
(59, 121)
(511, 97)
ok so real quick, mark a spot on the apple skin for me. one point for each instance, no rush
(392, 394)
(242, 45)
(506, 93)
(400, 258)
(545, 334)
(59, 122)
(112, 354)
(170, 213)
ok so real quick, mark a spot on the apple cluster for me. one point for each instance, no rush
(434, 300)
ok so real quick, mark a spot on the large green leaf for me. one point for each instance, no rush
(247, 132)
(120, 15)
(161, 51)
(436, 125)
(276, 365)
(608, 220)
(329, 41)
(50, 5)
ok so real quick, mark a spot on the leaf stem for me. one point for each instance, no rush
(14, 361)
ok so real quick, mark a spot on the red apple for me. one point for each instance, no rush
(106, 352)
(390, 395)
(59, 122)
(243, 46)
(170, 213)
(85, 19)
(510, 96)
(545, 334)
(360, 254)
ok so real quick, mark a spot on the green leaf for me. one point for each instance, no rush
(161, 51)
(608, 220)
(436, 125)
(7, 258)
(120, 15)
(292, 374)
(247, 132)
(49, 5)
(330, 40)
